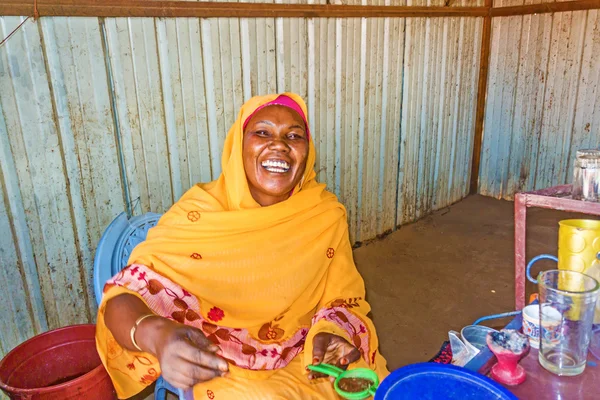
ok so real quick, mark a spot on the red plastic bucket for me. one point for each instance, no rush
(59, 364)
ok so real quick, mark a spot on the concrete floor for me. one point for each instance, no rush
(445, 271)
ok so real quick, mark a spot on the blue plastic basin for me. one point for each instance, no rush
(431, 381)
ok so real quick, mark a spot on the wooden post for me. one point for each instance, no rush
(484, 63)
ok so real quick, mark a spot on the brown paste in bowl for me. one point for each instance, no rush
(354, 385)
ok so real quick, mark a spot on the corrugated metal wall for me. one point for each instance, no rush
(543, 101)
(101, 115)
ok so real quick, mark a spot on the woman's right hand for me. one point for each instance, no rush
(185, 355)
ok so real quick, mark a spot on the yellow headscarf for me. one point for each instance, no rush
(241, 242)
(264, 270)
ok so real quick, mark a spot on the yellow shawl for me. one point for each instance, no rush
(259, 281)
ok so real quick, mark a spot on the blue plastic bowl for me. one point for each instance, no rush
(431, 381)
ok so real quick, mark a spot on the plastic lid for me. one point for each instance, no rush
(588, 158)
(590, 153)
(431, 381)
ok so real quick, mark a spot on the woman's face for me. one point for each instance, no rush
(275, 150)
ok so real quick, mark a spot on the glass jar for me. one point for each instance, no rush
(586, 175)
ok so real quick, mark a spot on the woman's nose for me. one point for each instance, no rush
(279, 144)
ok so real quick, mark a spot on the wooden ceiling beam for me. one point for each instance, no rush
(157, 8)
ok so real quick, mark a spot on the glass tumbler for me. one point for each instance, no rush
(586, 176)
(567, 301)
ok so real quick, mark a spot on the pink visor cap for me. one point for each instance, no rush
(284, 101)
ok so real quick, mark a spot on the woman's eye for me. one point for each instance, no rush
(262, 133)
(295, 136)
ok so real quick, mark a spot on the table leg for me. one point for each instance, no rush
(520, 232)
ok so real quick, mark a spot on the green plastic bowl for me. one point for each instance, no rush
(339, 374)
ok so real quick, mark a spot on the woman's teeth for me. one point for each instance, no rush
(276, 166)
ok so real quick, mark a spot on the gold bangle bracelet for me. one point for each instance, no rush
(134, 328)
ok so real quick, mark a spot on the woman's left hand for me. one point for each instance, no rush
(332, 349)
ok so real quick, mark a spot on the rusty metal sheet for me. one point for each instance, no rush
(22, 315)
(140, 111)
(441, 65)
(82, 106)
(60, 166)
(27, 108)
(542, 100)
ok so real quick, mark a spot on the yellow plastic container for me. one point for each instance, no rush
(579, 250)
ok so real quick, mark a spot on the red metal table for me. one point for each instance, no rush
(554, 198)
(541, 384)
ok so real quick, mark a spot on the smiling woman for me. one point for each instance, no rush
(275, 151)
(245, 280)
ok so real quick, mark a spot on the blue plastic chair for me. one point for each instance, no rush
(112, 254)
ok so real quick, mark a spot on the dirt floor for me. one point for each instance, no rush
(445, 271)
